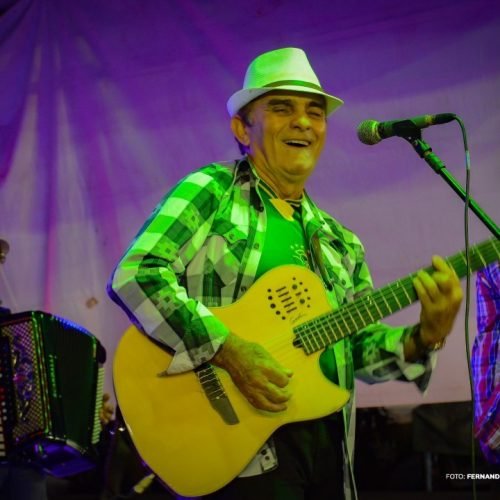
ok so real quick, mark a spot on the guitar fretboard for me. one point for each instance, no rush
(331, 327)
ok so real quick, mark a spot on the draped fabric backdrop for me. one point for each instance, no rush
(104, 105)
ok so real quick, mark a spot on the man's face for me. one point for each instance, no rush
(286, 133)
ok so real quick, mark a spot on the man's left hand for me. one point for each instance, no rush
(106, 410)
(440, 295)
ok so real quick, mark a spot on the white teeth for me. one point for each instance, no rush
(298, 143)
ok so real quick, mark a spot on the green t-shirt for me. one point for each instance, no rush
(285, 240)
(285, 243)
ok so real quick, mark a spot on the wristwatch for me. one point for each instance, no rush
(421, 348)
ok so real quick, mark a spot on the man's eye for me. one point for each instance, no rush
(280, 109)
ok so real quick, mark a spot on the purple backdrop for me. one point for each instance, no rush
(104, 105)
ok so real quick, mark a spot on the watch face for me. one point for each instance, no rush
(425, 349)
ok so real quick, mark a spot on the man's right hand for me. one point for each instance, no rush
(260, 378)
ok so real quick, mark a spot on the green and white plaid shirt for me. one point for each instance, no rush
(201, 247)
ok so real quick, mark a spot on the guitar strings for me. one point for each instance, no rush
(327, 328)
(400, 294)
(318, 332)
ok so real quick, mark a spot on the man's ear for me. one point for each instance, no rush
(239, 128)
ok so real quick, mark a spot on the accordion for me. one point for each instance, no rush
(51, 384)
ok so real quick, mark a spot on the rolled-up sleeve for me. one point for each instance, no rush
(378, 356)
(378, 349)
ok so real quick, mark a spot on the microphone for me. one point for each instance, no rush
(372, 132)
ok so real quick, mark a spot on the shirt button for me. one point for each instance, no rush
(256, 246)
(243, 288)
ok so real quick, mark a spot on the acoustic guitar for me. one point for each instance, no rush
(195, 430)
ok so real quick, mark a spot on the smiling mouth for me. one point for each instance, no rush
(297, 143)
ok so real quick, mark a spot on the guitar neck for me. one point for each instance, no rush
(331, 327)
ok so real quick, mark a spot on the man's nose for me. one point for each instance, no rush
(301, 120)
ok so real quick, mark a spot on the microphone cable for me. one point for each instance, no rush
(467, 302)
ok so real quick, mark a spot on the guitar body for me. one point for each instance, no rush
(181, 426)
(175, 428)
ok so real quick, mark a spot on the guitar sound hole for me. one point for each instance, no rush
(289, 297)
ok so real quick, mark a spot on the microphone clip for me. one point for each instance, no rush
(406, 129)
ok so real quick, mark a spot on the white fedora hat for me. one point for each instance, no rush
(281, 69)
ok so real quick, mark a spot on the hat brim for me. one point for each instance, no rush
(244, 96)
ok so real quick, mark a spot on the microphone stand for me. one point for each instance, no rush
(425, 151)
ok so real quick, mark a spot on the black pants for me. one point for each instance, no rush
(310, 466)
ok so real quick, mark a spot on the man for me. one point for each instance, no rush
(224, 226)
(486, 363)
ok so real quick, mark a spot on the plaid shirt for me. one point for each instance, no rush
(201, 248)
(486, 362)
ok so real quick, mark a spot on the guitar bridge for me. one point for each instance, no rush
(214, 391)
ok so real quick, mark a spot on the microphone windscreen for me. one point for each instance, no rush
(368, 132)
